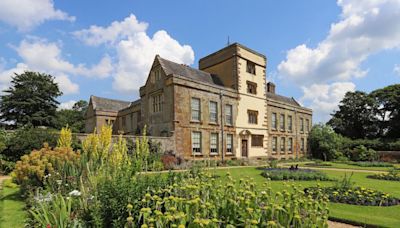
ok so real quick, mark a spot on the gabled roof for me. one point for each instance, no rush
(189, 72)
(105, 104)
(283, 99)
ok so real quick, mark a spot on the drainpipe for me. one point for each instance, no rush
(222, 128)
(296, 131)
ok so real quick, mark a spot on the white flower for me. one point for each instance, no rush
(75, 193)
(59, 182)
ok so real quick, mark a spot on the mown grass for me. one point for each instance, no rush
(379, 216)
(12, 213)
(348, 166)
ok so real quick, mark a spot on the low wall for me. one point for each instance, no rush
(389, 155)
(166, 143)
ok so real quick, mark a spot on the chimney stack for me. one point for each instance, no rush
(270, 87)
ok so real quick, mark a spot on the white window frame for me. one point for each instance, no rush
(274, 123)
(214, 150)
(195, 149)
(290, 145)
(228, 114)
(195, 110)
(213, 113)
(229, 143)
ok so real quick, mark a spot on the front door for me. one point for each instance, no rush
(244, 147)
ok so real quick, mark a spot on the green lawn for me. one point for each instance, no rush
(382, 216)
(11, 208)
(347, 166)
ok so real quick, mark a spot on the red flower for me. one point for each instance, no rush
(48, 226)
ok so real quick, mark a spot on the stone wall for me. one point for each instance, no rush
(167, 144)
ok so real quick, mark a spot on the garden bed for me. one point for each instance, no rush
(294, 174)
(355, 196)
(392, 175)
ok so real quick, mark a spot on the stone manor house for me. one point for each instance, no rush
(225, 109)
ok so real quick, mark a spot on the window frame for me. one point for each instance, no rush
(216, 112)
(251, 85)
(290, 145)
(199, 143)
(257, 138)
(290, 123)
(282, 122)
(212, 144)
(282, 145)
(250, 67)
(274, 142)
(192, 111)
(229, 141)
(251, 113)
(230, 116)
(301, 124)
(302, 145)
(274, 122)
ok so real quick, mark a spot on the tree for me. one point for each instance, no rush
(30, 100)
(74, 118)
(355, 118)
(325, 143)
(387, 110)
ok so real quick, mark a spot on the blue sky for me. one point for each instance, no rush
(316, 50)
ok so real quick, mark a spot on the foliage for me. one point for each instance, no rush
(30, 100)
(370, 164)
(31, 171)
(387, 107)
(392, 175)
(324, 143)
(373, 115)
(357, 196)
(353, 119)
(74, 118)
(24, 140)
(345, 192)
(299, 174)
(318, 163)
(169, 161)
(207, 202)
(65, 139)
(55, 211)
(361, 153)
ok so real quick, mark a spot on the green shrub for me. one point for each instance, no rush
(392, 175)
(325, 144)
(362, 153)
(370, 164)
(207, 202)
(25, 140)
(296, 174)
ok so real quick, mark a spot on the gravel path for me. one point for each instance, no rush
(332, 224)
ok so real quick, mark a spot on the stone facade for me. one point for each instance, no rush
(222, 111)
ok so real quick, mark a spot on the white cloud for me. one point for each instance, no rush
(66, 105)
(66, 85)
(366, 27)
(324, 98)
(42, 55)
(26, 14)
(97, 35)
(396, 69)
(6, 74)
(135, 50)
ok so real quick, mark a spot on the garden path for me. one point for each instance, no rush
(332, 224)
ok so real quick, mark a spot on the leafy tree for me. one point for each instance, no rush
(74, 118)
(30, 100)
(355, 118)
(325, 143)
(387, 110)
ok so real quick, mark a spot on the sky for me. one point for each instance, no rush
(316, 50)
